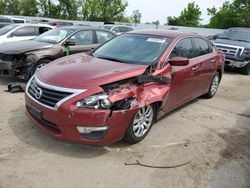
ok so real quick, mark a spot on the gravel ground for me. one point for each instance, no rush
(213, 134)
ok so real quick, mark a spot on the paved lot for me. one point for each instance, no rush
(213, 134)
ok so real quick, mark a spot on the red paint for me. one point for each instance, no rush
(81, 71)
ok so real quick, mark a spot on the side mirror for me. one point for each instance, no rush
(179, 61)
(69, 43)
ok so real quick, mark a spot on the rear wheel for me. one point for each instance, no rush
(246, 70)
(140, 125)
(213, 86)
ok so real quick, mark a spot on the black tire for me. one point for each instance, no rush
(130, 135)
(246, 70)
(36, 66)
(212, 91)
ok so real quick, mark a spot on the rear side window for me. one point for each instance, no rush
(43, 30)
(202, 47)
(25, 31)
(183, 48)
(103, 36)
(116, 29)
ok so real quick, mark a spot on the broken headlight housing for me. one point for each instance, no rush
(98, 101)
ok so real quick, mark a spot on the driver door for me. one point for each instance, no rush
(184, 78)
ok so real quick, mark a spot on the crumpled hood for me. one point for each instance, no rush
(20, 47)
(232, 42)
(82, 71)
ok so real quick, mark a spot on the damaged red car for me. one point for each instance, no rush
(123, 87)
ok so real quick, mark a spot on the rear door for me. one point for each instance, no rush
(84, 42)
(207, 63)
(184, 78)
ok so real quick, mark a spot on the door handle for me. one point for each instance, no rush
(213, 61)
(195, 68)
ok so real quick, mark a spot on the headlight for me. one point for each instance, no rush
(99, 101)
(246, 53)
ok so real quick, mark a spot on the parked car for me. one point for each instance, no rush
(5, 21)
(60, 23)
(20, 32)
(18, 20)
(235, 44)
(123, 86)
(118, 29)
(23, 58)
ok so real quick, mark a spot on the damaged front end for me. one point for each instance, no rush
(16, 65)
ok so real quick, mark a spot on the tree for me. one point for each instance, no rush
(28, 8)
(12, 7)
(104, 10)
(136, 16)
(48, 8)
(235, 14)
(2, 7)
(190, 16)
(68, 9)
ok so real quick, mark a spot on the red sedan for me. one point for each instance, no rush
(123, 87)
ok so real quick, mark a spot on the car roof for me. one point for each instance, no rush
(33, 24)
(163, 33)
(119, 25)
(79, 27)
(240, 28)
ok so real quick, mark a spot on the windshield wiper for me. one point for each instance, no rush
(112, 59)
(242, 40)
(224, 38)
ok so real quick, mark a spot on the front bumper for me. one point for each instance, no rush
(62, 123)
(235, 63)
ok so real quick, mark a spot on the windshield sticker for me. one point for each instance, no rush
(156, 40)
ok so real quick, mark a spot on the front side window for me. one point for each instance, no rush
(201, 47)
(103, 36)
(82, 38)
(134, 49)
(25, 31)
(54, 36)
(183, 48)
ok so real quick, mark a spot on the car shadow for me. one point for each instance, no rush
(31, 135)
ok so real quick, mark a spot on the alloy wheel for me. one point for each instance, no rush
(215, 84)
(143, 121)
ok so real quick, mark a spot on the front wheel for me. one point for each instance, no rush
(246, 70)
(140, 125)
(39, 65)
(213, 86)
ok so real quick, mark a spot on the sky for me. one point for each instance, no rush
(153, 10)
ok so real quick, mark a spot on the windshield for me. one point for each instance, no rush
(54, 36)
(236, 34)
(134, 49)
(6, 29)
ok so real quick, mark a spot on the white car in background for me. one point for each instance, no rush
(118, 29)
(19, 32)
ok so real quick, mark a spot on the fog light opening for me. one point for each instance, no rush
(94, 133)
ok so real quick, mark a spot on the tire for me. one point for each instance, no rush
(38, 65)
(140, 125)
(246, 70)
(213, 86)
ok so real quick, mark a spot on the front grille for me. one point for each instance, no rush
(230, 50)
(44, 95)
